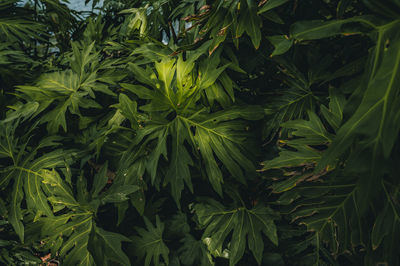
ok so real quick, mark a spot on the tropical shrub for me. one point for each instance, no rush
(200, 132)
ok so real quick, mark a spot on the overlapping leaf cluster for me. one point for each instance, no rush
(200, 132)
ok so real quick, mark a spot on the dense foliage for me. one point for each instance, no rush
(200, 132)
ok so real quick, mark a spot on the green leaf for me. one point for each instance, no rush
(334, 114)
(194, 252)
(209, 72)
(300, 157)
(68, 234)
(177, 226)
(112, 246)
(160, 149)
(384, 220)
(389, 8)
(252, 23)
(387, 222)
(22, 29)
(100, 180)
(118, 193)
(128, 109)
(70, 89)
(132, 174)
(243, 223)
(310, 132)
(292, 102)
(183, 70)
(291, 182)
(15, 215)
(82, 58)
(62, 193)
(141, 91)
(180, 160)
(166, 71)
(75, 230)
(75, 248)
(337, 218)
(78, 237)
(21, 110)
(376, 104)
(150, 245)
(26, 172)
(270, 4)
(281, 44)
(219, 34)
(214, 136)
(342, 6)
(318, 29)
(146, 76)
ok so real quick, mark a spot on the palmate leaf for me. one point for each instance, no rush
(305, 135)
(310, 133)
(130, 172)
(74, 234)
(211, 134)
(13, 252)
(20, 112)
(332, 206)
(376, 105)
(25, 172)
(19, 29)
(13, 60)
(293, 102)
(335, 207)
(214, 135)
(217, 83)
(368, 104)
(298, 158)
(206, 75)
(302, 156)
(178, 92)
(16, 25)
(68, 233)
(333, 114)
(243, 223)
(194, 252)
(299, 98)
(217, 136)
(386, 228)
(108, 247)
(179, 171)
(128, 109)
(150, 245)
(331, 209)
(68, 90)
(307, 251)
(221, 18)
